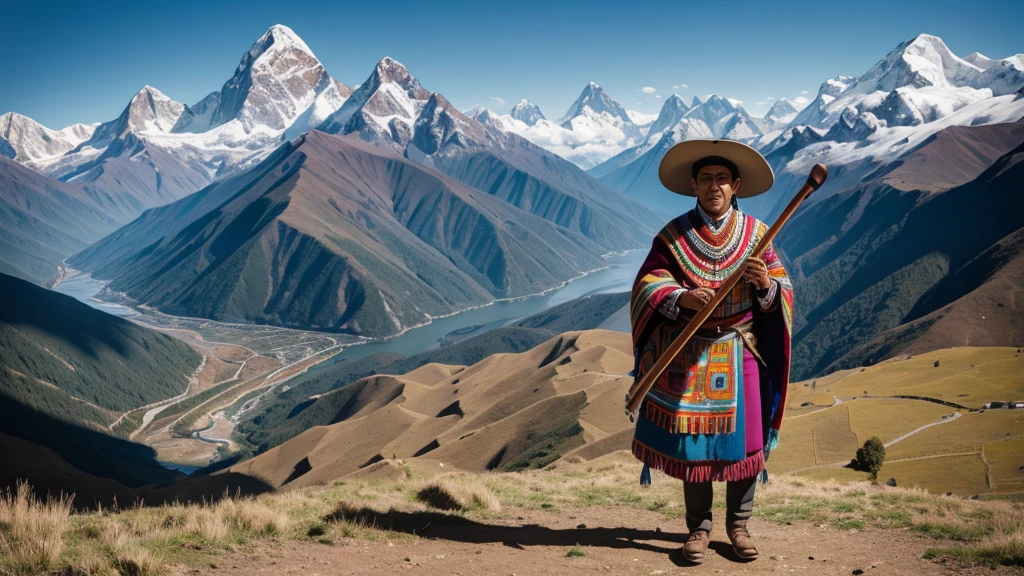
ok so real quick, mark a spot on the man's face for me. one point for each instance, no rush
(715, 188)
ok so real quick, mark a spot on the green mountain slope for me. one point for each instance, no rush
(42, 221)
(68, 371)
(875, 258)
(338, 234)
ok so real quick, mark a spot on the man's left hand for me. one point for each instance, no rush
(756, 273)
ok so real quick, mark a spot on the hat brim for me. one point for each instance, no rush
(675, 171)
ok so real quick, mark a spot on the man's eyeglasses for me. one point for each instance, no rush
(707, 179)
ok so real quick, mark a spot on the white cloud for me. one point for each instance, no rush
(735, 102)
(590, 142)
(640, 118)
(804, 92)
(801, 100)
(497, 100)
(760, 103)
(680, 86)
(648, 90)
(657, 95)
(770, 98)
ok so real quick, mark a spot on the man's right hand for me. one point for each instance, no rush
(695, 299)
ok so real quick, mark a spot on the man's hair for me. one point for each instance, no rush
(715, 161)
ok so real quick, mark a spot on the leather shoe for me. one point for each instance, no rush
(742, 544)
(696, 546)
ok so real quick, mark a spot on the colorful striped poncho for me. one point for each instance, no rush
(695, 424)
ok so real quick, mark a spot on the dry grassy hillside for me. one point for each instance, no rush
(590, 517)
(416, 472)
(942, 440)
(507, 412)
(562, 401)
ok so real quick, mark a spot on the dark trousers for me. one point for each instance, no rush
(739, 503)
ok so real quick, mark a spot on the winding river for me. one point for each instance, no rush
(616, 277)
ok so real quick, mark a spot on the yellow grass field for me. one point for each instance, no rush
(890, 419)
(966, 434)
(967, 376)
(1006, 464)
(814, 437)
(823, 437)
(838, 474)
(961, 475)
(823, 400)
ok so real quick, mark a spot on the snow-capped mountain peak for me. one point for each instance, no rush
(391, 70)
(486, 116)
(276, 81)
(527, 112)
(440, 125)
(598, 102)
(980, 60)
(672, 111)
(151, 110)
(725, 118)
(925, 61)
(918, 81)
(385, 106)
(285, 38)
(782, 112)
(782, 107)
(25, 140)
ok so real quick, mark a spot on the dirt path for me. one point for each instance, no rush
(615, 540)
(955, 416)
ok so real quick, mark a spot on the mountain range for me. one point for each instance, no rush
(287, 160)
(886, 263)
(919, 133)
(408, 210)
(288, 198)
(335, 233)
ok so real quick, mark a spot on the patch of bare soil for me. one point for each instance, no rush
(185, 451)
(607, 540)
(258, 365)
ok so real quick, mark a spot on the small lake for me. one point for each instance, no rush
(179, 467)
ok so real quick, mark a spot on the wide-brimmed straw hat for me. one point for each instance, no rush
(676, 167)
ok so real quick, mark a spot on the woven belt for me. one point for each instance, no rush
(745, 332)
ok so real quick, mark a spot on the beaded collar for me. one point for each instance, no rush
(709, 257)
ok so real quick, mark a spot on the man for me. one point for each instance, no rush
(715, 413)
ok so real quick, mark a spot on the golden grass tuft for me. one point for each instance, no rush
(147, 540)
(130, 558)
(31, 530)
(458, 493)
(252, 517)
(999, 550)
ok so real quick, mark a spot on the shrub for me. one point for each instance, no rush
(458, 494)
(871, 456)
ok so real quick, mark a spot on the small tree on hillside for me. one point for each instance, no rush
(871, 456)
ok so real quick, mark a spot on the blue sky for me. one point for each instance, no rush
(82, 61)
